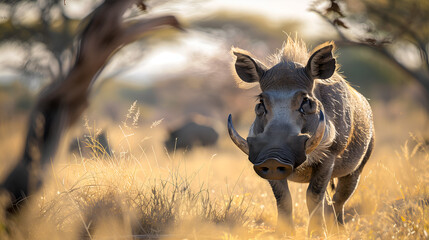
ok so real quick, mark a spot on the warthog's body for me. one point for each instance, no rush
(311, 126)
(191, 134)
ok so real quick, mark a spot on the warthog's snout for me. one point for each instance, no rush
(273, 169)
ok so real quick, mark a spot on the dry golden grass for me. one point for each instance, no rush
(142, 192)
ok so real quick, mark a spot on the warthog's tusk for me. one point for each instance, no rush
(236, 138)
(315, 140)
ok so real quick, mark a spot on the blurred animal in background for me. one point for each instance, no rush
(191, 134)
(91, 146)
(310, 126)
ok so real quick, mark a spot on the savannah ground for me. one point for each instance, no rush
(143, 192)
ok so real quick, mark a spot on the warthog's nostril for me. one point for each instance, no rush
(273, 169)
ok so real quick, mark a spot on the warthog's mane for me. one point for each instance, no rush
(292, 50)
(295, 50)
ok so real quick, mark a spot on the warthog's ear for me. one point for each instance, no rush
(321, 64)
(248, 69)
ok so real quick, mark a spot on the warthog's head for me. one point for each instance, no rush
(290, 120)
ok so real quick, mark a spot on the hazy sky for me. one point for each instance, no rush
(171, 59)
(276, 10)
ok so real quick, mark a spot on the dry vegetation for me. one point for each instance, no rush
(143, 192)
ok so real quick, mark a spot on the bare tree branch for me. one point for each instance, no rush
(405, 29)
(379, 47)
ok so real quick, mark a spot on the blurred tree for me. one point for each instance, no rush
(43, 30)
(62, 102)
(397, 30)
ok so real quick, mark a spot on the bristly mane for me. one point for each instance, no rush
(293, 50)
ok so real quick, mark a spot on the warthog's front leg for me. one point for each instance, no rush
(320, 177)
(284, 207)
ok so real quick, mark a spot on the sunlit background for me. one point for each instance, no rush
(169, 78)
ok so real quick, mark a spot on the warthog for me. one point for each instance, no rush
(310, 126)
(190, 134)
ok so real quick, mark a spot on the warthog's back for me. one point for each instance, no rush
(349, 118)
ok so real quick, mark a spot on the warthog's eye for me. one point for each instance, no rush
(305, 101)
(260, 108)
